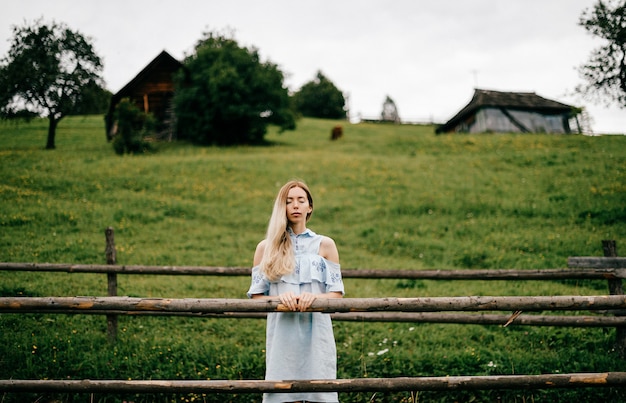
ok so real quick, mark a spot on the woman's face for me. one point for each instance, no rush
(298, 206)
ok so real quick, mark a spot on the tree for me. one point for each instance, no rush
(605, 71)
(390, 111)
(227, 96)
(94, 100)
(46, 71)
(320, 98)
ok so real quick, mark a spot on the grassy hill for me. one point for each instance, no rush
(392, 197)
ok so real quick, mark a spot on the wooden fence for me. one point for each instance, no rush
(432, 309)
(610, 268)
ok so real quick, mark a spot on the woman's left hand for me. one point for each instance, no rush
(305, 300)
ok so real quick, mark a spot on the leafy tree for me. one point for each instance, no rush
(227, 96)
(94, 100)
(47, 68)
(390, 111)
(320, 98)
(605, 71)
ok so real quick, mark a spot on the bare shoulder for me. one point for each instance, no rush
(258, 253)
(328, 241)
(328, 249)
(261, 245)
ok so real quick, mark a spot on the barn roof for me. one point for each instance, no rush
(163, 62)
(526, 101)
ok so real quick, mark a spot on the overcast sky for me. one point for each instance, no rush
(428, 56)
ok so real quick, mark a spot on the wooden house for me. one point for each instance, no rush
(511, 112)
(152, 91)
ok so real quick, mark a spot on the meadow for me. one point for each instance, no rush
(391, 196)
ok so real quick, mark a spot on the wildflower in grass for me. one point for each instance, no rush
(381, 352)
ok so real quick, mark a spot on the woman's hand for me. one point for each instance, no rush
(295, 302)
(290, 300)
(305, 300)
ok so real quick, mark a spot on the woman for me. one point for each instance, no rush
(297, 266)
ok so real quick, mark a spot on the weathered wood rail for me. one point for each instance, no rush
(326, 305)
(400, 384)
(583, 268)
(407, 317)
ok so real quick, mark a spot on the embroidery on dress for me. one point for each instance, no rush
(319, 265)
(257, 278)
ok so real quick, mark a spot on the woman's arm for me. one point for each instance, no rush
(258, 256)
(328, 250)
(258, 253)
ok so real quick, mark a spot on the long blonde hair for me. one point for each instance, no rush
(278, 257)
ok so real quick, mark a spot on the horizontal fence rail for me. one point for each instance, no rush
(400, 317)
(547, 381)
(580, 272)
(329, 305)
(597, 262)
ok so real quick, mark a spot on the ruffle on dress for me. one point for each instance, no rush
(322, 271)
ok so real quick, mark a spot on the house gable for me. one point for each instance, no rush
(151, 90)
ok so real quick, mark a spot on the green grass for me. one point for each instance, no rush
(392, 197)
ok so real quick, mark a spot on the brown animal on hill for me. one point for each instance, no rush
(336, 133)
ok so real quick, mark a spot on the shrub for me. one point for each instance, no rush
(133, 126)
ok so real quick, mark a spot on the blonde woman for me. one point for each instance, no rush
(297, 266)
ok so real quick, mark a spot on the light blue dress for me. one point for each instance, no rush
(301, 345)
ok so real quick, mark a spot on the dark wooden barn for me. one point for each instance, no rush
(152, 91)
(512, 112)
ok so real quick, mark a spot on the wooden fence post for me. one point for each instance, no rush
(111, 257)
(615, 288)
